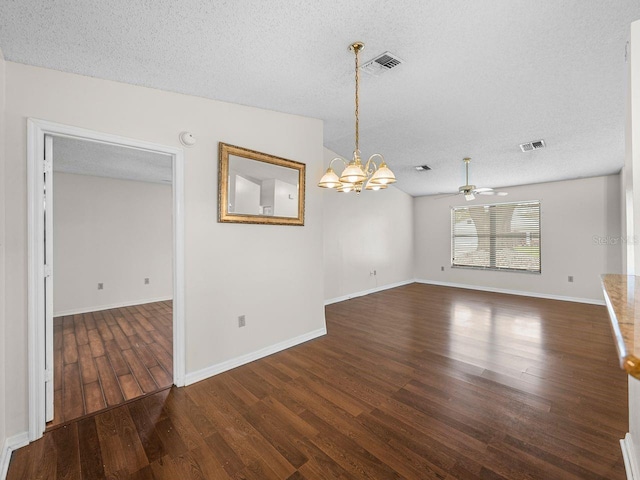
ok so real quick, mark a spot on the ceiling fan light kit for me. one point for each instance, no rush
(355, 176)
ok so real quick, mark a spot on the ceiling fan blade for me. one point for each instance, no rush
(502, 194)
(486, 192)
(483, 189)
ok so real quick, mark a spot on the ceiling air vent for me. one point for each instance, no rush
(422, 168)
(381, 64)
(537, 145)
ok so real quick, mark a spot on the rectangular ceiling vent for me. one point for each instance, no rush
(537, 145)
(381, 64)
(422, 168)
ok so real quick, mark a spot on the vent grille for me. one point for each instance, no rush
(387, 61)
(422, 168)
(381, 64)
(536, 145)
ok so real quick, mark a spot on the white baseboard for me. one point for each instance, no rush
(207, 372)
(367, 292)
(98, 308)
(11, 444)
(630, 460)
(513, 292)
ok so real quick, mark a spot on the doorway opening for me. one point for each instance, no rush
(111, 273)
(106, 270)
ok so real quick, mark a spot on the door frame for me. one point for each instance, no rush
(36, 131)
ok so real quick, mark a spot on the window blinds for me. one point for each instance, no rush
(503, 236)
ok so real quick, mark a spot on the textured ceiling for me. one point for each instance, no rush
(71, 155)
(479, 78)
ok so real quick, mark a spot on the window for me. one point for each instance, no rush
(504, 236)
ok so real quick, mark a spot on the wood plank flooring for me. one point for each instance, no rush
(419, 382)
(104, 358)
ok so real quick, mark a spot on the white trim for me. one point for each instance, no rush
(35, 298)
(207, 372)
(36, 130)
(513, 292)
(99, 308)
(630, 460)
(179, 340)
(367, 292)
(10, 444)
(49, 360)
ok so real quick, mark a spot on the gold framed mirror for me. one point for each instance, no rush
(255, 187)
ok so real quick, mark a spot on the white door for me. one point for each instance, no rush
(48, 275)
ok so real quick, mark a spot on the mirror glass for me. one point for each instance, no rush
(260, 188)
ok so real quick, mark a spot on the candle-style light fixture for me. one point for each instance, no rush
(356, 176)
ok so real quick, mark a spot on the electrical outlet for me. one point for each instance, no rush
(442, 269)
(570, 278)
(146, 281)
(242, 321)
(101, 286)
(375, 273)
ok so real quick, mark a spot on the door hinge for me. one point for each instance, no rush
(47, 271)
(48, 167)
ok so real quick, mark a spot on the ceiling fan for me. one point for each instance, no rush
(470, 191)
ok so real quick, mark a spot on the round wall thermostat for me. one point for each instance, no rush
(187, 139)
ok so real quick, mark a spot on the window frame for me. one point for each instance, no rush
(497, 269)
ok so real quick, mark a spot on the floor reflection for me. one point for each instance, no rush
(476, 329)
(489, 320)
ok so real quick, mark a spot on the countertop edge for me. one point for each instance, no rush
(623, 355)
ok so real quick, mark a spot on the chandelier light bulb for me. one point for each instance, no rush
(383, 176)
(329, 179)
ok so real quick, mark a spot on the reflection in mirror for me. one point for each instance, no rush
(261, 188)
(258, 188)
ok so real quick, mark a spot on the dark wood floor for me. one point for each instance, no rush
(418, 382)
(104, 358)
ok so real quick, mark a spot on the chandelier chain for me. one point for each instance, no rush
(357, 51)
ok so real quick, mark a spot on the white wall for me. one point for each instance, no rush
(372, 231)
(575, 215)
(246, 196)
(281, 196)
(3, 337)
(261, 271)
(114, 232)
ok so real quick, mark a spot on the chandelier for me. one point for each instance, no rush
(356, 176)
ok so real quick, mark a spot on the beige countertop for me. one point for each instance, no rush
(622, 295)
